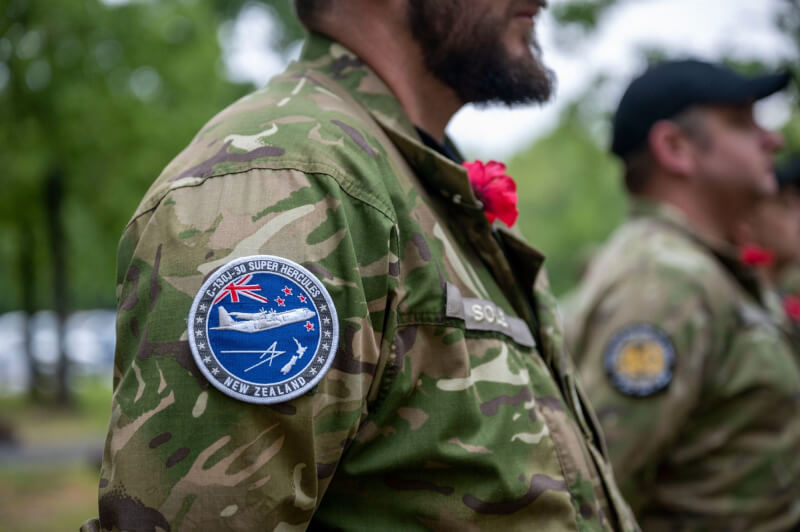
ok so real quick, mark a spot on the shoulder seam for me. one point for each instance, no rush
(348, 186)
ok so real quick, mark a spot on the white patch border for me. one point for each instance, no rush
(334, 340)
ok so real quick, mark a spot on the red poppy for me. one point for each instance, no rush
(755, 255)
(495, 189)
(791, 304)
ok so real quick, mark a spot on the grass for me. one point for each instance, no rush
(39, 424)
(48, 496)
(47, 499)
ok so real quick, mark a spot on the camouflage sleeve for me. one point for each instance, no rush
(642, 356)
(180, 454)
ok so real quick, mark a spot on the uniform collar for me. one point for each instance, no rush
(725, 252)
(351, 78)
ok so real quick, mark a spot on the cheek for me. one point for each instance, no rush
(740, 150)
(785, 231)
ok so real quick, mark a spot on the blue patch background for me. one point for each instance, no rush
(272, 285)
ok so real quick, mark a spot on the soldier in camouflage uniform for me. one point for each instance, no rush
(448, 401)
(769, 238)
(695, 386)
(787, 278)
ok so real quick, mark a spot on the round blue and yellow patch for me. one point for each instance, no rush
(639, 360)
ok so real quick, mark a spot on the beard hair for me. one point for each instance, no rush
(469, 56)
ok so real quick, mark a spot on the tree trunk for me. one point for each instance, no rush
(53, 199)
(26, 277)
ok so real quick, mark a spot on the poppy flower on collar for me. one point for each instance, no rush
(791, 304)
(755, 255)
(496, 190)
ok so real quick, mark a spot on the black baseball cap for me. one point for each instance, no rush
(788, 174)
(666, 89)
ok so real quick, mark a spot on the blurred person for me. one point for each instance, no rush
(695, 385)
(318, 324)
(787, 279)
(769, 239)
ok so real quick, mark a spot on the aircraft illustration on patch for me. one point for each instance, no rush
(260, 321)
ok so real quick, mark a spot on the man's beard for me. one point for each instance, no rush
(469, 56)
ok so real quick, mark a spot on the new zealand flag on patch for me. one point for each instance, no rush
(263, 329)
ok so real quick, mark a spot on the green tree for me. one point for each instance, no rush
(94, 101)
(570, 196)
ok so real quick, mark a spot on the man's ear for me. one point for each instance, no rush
(672, 150)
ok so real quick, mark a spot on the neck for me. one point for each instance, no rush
(398, 61)
(702, 217)
(713, 213)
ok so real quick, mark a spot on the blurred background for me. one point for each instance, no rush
(96, 96)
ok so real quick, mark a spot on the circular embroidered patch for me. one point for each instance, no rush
(263, 329)
(639, 360)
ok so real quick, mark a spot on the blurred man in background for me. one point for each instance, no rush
(769, 239)
(696, 387)
(318, 325)
(787, 280)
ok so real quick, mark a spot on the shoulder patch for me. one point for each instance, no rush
(263, 329)
(639, 360)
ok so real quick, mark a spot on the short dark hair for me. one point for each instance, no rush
(308, 11)
(639, 164)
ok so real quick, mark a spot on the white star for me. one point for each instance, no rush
(215, 371)
(198, 319)
(325, 347)
(201, 345)
(323, 307)
(198, 333)
(326, 321)
(327, 334)
(203, 306)
(313, 371)
(207, 360)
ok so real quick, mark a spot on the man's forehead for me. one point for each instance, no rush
(723, 114)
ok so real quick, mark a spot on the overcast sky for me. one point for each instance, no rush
(743, 29)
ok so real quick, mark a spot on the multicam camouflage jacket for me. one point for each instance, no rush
(788, 290)
(694, 384)
(441, 410)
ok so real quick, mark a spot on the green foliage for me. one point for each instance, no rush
(584, 14)
(108, 94)
(570, 197)
(105, 95)
(35, 424)
(54, 494)
(47, 498)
